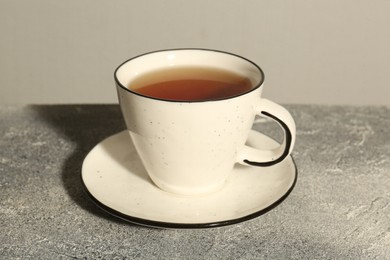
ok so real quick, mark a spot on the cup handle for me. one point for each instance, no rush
(263, 158)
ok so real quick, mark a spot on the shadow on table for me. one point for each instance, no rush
(85, 126)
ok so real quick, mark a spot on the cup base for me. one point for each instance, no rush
(189, 192)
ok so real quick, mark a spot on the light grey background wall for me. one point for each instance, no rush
(312, 51)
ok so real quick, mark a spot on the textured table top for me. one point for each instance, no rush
(339, 208)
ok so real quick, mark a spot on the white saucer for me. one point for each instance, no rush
(116, 181)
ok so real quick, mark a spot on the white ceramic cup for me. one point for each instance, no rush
(191, 147)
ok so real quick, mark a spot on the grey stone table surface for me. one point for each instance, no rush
(339, 208)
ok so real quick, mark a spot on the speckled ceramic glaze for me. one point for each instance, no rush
(191, 147)
(116, 180)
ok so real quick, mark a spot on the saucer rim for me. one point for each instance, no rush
(174, 225)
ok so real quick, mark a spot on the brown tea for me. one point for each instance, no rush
(191, 84)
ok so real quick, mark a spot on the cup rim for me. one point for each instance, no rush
(257, 86)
